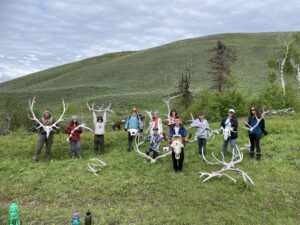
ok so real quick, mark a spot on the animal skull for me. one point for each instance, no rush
(177, 147)
(226, 133)
(133, 132)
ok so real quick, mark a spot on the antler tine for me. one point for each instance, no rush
(65, 106)
(87, 103)
(205, 159)
(192, 116)
(108, 108)
(99, 110)
(167, 101)
(104, 110)
(31, 104)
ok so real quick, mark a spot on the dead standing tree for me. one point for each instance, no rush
(220, 65)
(184, 86)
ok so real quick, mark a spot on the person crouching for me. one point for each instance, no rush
(155, 141)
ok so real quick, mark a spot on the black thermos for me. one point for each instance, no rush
(88, 218)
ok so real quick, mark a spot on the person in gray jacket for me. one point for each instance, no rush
(201, 126)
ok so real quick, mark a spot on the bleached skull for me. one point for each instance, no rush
(226, 133)
(177, 147)
(48, 129)
(133, 132)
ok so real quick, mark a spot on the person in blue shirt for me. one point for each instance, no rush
(256, 134)
(134, 121)
(178, 132)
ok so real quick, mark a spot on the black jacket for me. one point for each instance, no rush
(234, 125)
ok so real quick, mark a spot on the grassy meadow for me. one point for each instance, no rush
(132, 191)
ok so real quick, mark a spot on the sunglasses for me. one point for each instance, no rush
(253, 109)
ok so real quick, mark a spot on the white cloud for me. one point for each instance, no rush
(43, 33)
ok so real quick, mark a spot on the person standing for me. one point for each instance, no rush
(133, 122)
(229, 124)
(46, 120)
(255, 134)
(99, 123)
(178, 132)
(156, 123)
(201, 126)
(74, 137)
(171, 119)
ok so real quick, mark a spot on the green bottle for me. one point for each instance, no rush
(14, 218)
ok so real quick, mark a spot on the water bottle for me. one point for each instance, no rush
(14, 218)
(76, 218)
(88, 218)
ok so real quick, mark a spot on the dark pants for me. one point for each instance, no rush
(42, 140)
(255, 143)
(177, 164)
(155, 153)
(99, 141)
(75, 148)
(130, 139)
(201, 144)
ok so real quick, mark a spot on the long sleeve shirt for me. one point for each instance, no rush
(155, 140)
(156, 123)
(99, 126)
(201, 127)
(134, 122)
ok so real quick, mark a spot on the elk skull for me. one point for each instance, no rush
(177, 147)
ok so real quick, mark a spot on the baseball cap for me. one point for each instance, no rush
(231, 110)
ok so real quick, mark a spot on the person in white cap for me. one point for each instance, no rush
(75, 138)
(230, 123)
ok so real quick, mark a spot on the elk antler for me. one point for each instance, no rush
(137, 145)
(95, 165)
(104, 110)
(149, 113)
(76, 128)
(167, 101)
(227, 166)
(249, 127)
(89, 107)
(31, 104)
(47, 129)
(65, 106)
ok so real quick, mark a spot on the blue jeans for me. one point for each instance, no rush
(155, 153)
(75, 148)
(232, 144)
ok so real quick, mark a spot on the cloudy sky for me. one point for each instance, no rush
(38, 34)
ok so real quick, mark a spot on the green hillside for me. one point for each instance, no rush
(135, 76)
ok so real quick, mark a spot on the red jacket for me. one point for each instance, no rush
(76, 134)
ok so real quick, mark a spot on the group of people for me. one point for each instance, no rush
(176, 130)
(229, 125)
